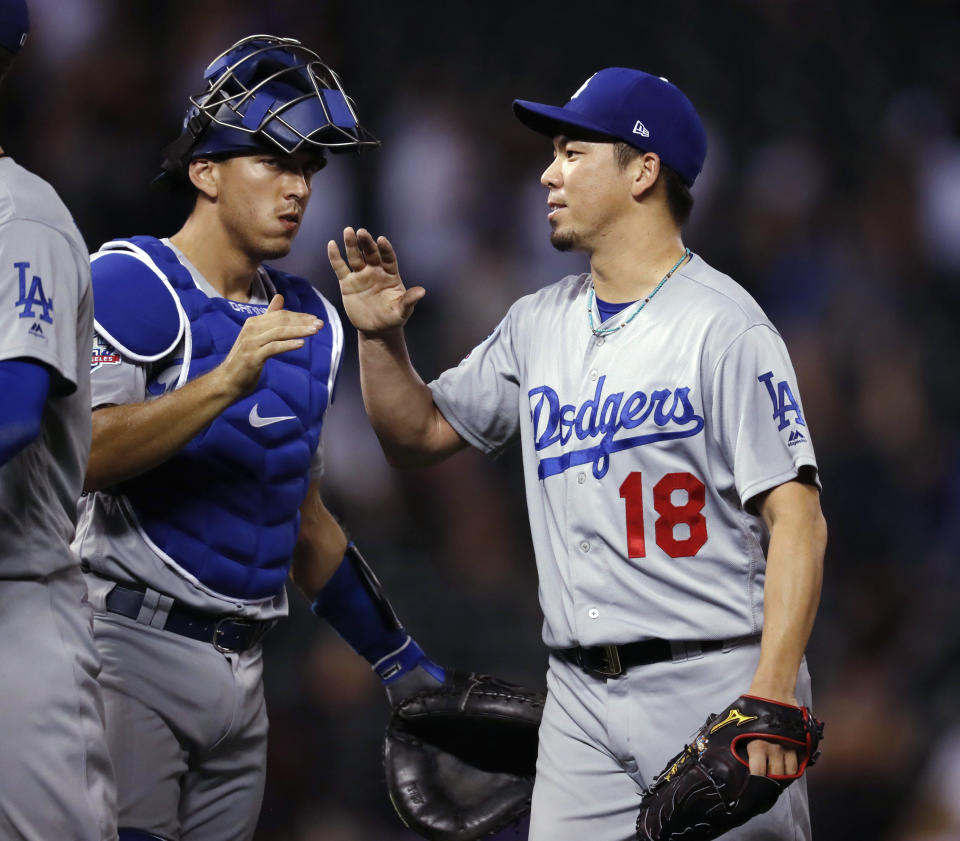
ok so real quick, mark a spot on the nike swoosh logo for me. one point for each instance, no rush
(256, 421)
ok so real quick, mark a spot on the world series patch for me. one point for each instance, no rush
(103, 354)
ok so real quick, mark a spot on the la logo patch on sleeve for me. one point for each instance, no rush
(33, 301)
(784, 403)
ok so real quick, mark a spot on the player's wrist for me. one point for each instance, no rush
(389, 337)
(354, 604)
(408, 671)
(223, 387)
(780, 691)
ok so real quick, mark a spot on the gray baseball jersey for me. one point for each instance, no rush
(642, 449)
(57, 778)
(46, 314)
(108, 538)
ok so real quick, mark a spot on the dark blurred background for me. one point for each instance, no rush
(831, 192)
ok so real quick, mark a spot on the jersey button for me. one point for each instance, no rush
(593, 613)
(584, 546)
(581, 478)
(601, 342)
(593, 374)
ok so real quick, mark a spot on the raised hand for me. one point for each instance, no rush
(262, 336)
(374, 296)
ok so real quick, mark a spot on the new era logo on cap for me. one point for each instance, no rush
(643, 110)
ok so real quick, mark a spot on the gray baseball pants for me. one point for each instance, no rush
(602, 741)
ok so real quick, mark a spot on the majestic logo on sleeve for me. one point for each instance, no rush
(600, 419)
(33, 300)
(783, 403)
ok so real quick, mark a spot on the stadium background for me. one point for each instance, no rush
(831, 191)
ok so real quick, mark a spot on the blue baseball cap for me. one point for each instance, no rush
(645, 111)
(14, 24)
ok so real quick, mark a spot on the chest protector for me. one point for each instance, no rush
(225, 509)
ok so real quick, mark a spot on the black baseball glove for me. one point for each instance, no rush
(460, 759)
(708, 789)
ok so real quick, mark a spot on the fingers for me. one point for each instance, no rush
(791, 762)
(774, 760)
(337, 263)
(368, 248)
(411, 296)
(275, 348)
(769, 759)
(305, 322)
(757, 757)
(262, 336)
(275, 326)
(281, 332)
(360, 249)
(351, 250)
(388, 257)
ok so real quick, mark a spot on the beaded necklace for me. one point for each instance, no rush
(607, 331)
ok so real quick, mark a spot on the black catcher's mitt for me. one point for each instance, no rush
(708, 789)
(460, 759)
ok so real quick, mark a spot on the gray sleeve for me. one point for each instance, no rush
(317, 463)
(480, 397)
(42, 279)
(115, 380)
(757, 415)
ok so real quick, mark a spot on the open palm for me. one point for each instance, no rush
(374, 296)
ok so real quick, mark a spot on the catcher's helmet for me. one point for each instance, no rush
(265, 94)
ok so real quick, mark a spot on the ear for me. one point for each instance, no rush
(644, 171)
(204, 174)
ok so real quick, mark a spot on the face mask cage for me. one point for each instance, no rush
(268, 93)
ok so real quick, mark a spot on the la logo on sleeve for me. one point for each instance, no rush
(33, 296)
(783, 401)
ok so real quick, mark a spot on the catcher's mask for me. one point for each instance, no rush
(265, 94)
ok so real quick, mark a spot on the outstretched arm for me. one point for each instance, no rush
(411, 429)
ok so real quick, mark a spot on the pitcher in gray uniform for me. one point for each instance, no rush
(56, 781)
(212, 374)
(671, 482)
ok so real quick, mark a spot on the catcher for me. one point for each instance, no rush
(211, 376)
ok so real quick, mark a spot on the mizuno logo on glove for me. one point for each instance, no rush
(733, 717)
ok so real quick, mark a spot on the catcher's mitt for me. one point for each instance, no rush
(708, 789)
(460, 759)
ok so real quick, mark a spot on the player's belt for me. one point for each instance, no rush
(226, 633)
(614, 660)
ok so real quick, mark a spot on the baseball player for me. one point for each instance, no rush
(671, 482)
(211, 375)
(57, 781)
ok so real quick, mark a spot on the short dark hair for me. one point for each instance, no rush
(679, 198)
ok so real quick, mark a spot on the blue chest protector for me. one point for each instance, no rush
(225, 509)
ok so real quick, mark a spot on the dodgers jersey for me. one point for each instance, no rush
(641, 450)
(108, 538)
(46, 315)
